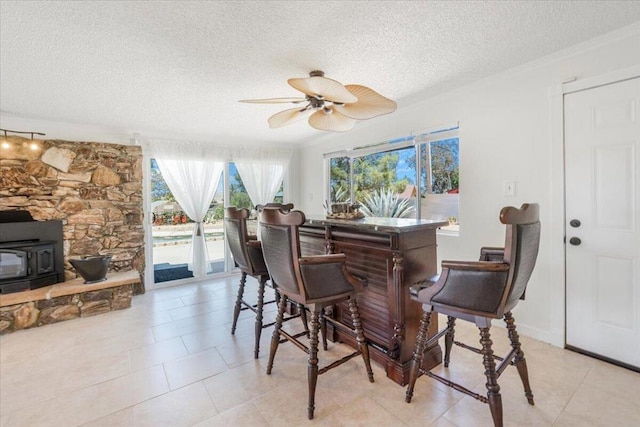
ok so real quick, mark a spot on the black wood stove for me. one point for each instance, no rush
(31, 252)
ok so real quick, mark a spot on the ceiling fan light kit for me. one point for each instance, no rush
(330, 106)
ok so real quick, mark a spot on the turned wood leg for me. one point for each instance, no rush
(323, 330)
(258, 324)
(521, 363)
(312, 369)
(238, 306)
(362, 341)
(275, 339)
(421, 345)
(303, 317)
(493, 389)
(448, 339)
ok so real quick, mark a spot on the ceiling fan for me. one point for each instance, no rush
(329, 105)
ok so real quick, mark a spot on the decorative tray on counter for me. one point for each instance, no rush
(345, 215)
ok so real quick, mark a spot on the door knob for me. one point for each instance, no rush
(575, 223)
(575, 241)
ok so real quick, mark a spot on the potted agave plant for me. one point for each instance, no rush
(387, 204)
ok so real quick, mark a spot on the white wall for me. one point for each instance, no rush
(510, 130)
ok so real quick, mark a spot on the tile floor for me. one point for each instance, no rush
(171, 361)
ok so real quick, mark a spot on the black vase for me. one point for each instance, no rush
(93, 269)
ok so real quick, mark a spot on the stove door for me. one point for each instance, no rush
(13, 264)
(45, 259)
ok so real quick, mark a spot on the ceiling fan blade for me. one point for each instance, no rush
(323, 87)
(273, 100)
(370, 104)
(288, 116)
(333, 121)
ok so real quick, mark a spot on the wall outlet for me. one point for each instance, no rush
(509, 188)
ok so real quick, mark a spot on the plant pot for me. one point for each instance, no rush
(92, 269)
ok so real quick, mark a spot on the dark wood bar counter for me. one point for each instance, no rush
(392, 254)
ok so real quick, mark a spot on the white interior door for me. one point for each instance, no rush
(602, 155)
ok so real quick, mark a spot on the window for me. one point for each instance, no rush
(340, 179)
(439, 179)
(420, 171)
(440, 174)
(238, 195)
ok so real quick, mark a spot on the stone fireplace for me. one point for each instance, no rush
(93, 189)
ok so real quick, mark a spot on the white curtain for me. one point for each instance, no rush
(192, 169)
(262, 172)
(193, 183)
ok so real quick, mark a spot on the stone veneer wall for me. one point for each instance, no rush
(94, 188)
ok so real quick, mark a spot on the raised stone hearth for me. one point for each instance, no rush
(67, 300)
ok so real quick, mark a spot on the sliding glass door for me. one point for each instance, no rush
(172, 230)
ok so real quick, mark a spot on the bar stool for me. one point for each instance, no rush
(247, 254)
(479, 291)
(315, 282)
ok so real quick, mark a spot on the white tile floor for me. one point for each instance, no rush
(170, 360)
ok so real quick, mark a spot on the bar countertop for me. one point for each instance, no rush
(396, 225)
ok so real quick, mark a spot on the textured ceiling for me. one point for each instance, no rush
(177, 68)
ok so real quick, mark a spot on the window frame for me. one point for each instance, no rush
(415, 139)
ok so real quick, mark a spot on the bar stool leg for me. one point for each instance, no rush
(521, 363)
(362, 341)
(303, 317)
(258, 324)
(493, 389)
(312, 370)
(448, 339)
(323, 329)
(236, 309)
(275, 339)
(421, 345)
